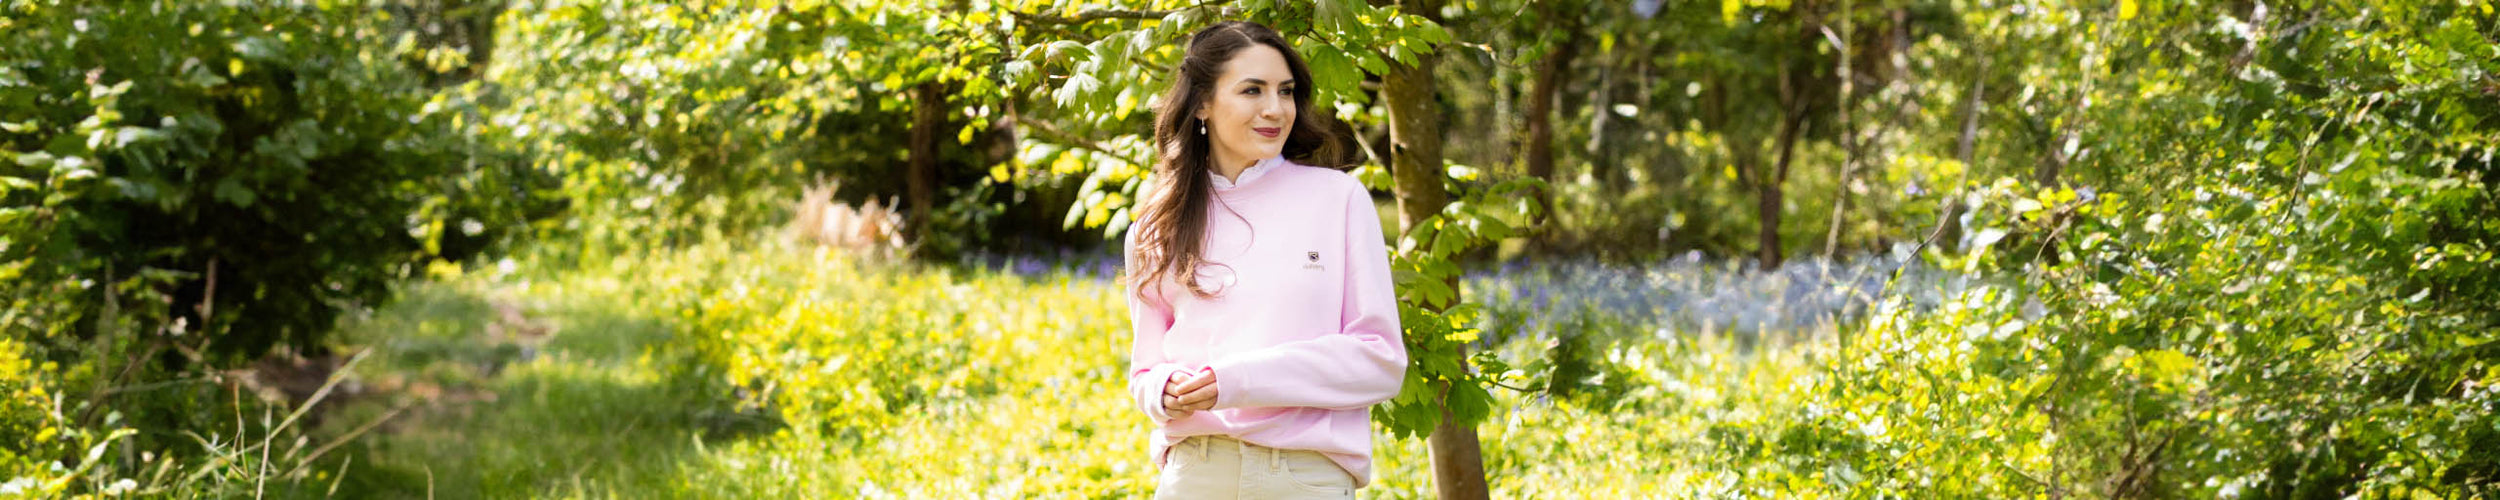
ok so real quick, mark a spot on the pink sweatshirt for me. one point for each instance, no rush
(1303, 332)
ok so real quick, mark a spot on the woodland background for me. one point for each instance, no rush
(1656, 248)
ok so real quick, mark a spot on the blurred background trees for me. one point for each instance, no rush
(2221, 248)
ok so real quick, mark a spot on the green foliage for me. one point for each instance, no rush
(149, 143)
(678, 123)
(183, 187)
(2281, 287)
(726, 370)
(666, 123)
(2219, 250)
(1442, 380)
(865, 369)
(1103, 77)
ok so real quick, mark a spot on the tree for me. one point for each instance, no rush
(132, 161)
(1415, 151)
(1553, 68)
(187, 187)
(1788, 96)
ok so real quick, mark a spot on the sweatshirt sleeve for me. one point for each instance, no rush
(1148, 320)
(1361, 364)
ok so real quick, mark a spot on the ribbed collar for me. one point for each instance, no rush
(1247, 175)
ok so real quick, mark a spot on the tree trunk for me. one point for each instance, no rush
(1768, 186)
(1744, 150)
(1415, 141)
(1415, 153)
(1848, 133)
(928, 114)
(1457, 458)
(1541, 96)
(1601, 157)
(1769, 196)
(1949, 230)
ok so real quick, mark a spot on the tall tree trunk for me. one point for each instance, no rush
(1949, 230)
(1415, 144)
(928, 115)
(1457, 458)
(1415, 140)
(1602, 163)
(1768, 186)
(1848, 133)
(1506, 122)
(1541, 96)
(1770, 196)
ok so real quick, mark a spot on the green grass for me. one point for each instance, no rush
(590, 416)
(703, 374)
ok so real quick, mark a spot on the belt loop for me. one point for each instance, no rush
(1201, 448)
(1275, 459)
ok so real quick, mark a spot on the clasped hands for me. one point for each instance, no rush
(1188, 392)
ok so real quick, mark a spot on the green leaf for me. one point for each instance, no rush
(1452, 241)
(128, 135)
(1434, 33)
(1469, 402)
(1370, 61)
(1987, 237)
(1067, 49)
(1338, 16)
(35, 160)
(233, 193)
(2026, 206)
(2165, 368)
(1421, 235)
(1335, 72)
(1399, 52)
(1077, 86)
(1493, 228)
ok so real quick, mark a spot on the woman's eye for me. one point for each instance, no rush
(1250, 91)
(1287, 91)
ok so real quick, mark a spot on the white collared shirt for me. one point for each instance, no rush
(1246, 175)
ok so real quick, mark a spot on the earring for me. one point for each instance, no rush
(1202, 128)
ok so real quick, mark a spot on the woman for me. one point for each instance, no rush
(1259, 290)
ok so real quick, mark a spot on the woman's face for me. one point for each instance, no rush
(1251, 109)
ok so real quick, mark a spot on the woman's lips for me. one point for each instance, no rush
(1270, 132)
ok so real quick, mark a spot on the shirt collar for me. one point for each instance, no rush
(1247, 174)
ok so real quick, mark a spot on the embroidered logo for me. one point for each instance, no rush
(1314, 261)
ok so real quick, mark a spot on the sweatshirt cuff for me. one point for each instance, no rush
(1147, 389)
(1228, 382)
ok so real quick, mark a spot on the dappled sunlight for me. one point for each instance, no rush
(2046, 249)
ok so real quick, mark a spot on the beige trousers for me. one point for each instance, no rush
(1218, 467)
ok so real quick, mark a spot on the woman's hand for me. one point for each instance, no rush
(1186, 393)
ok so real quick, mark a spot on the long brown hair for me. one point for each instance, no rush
(1174, 222)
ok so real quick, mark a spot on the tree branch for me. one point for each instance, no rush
(1072, 139)
(1522, 390)
(1092, 15)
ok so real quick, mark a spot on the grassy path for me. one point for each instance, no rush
(912, 383)
(577, 411)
